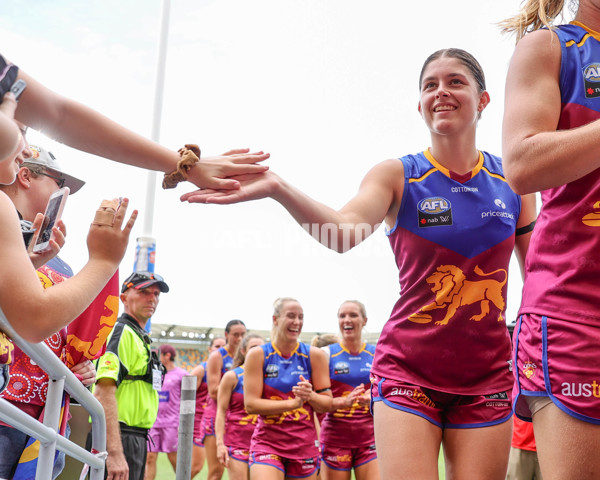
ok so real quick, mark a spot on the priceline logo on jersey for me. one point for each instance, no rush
(591, 78)
(498, 213)
(434, 212)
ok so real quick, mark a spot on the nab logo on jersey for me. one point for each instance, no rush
(272, 371)
(591, 78)
(434, 212)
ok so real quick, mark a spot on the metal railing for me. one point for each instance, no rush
(61, 378)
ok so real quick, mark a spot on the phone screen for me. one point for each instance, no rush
(49, 220)
(18, 87)
(51, 215)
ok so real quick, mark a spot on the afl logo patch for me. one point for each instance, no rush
(591, 78)
(434, 212)
(341, 368)
(271, 371)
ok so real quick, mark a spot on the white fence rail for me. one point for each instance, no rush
(61, 378)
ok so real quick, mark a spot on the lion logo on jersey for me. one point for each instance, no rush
(452, 290)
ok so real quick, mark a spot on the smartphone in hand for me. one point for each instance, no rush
(53, 212)
(18, 87)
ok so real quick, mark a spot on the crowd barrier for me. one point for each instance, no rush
(61, 379)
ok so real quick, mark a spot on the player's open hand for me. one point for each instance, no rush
(214, 172)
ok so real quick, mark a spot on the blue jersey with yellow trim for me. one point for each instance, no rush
(227, 360)
(452, 240)
(291, 434)
(564, 252)
(350, 427)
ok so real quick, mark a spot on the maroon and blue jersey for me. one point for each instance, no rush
(239, 424)
(227, 360)
(201, 395)
(290, 434)
(201, 399)
(210, 410)
(453, 239)
(349, 427)
(564, 253)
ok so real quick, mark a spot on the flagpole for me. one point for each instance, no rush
(146, 244)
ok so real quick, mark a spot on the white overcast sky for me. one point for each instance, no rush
(328, 87)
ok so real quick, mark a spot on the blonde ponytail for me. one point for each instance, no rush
(534, 15)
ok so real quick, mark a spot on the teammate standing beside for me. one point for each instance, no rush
(347, 438)
(233, 425)
(284, 381)
(442, 363)
(198, 455)
(550, 141)
(218, 364)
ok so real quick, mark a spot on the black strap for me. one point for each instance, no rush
(525, 229)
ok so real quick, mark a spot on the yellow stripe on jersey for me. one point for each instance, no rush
(439, 167)
(591, 34)
(495, 175)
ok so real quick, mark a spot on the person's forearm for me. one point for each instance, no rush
(85, 129)
(550, 159)
(302, 207)
(321, 403)
(339, 403)
(331, 228)
(263, 406)
(51, 309)
(220, 427)
(10, 138)
(107, 399)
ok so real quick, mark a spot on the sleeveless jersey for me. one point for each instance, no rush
(201, 395)
(349, 427)
(564, 253)
(289, 434)
(210, 410)
(239, 424)
(169, 398)
(453, 239)
(227, 360)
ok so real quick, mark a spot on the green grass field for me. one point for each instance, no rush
(164, 471)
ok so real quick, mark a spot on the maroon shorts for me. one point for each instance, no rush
(559, 359)
(340, 458)
(207, 427)
(198, 438)
(291, 467)
(239, 453)
(446, 410)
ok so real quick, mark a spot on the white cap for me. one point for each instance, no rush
(44, 158)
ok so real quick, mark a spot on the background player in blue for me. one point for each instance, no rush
(201, 399)
(233, 425)
(452, 220)
(347, 439)
(219, 362)
(285, 382)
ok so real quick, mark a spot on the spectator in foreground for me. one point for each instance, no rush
(39, 176)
